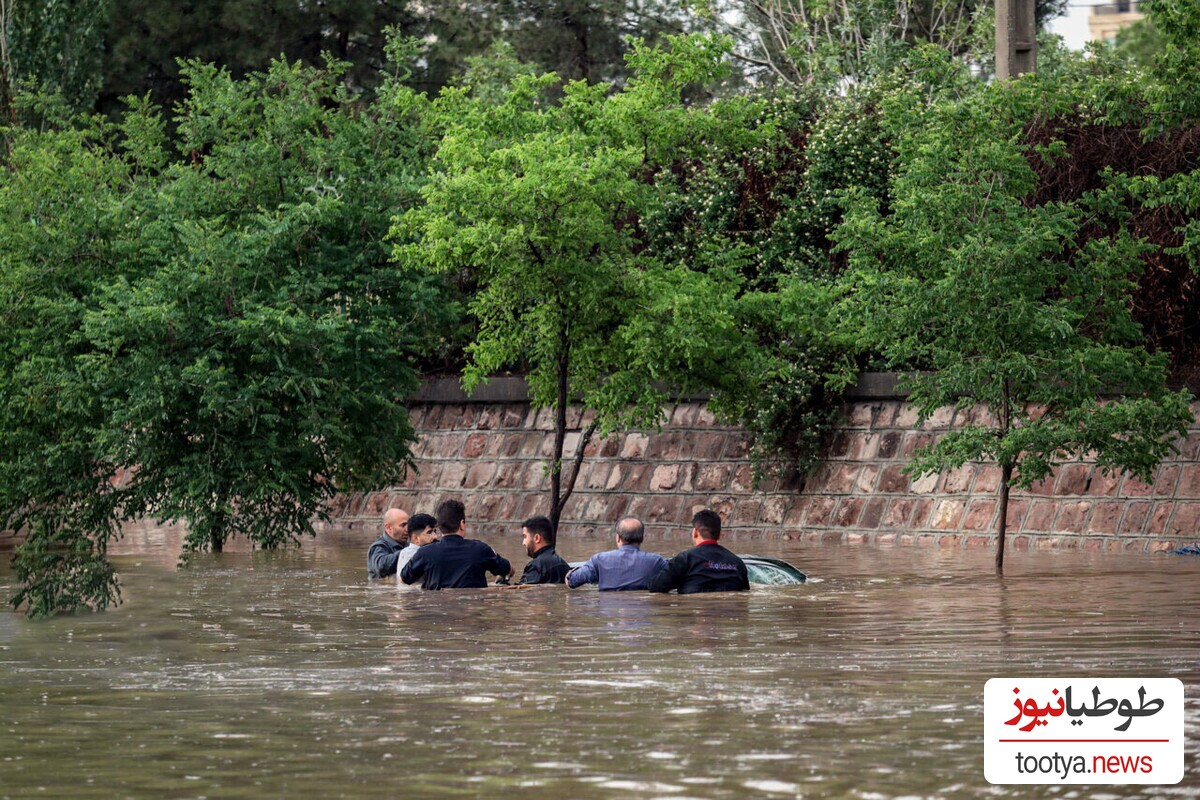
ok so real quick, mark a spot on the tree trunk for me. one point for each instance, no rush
(1005, 475)
(560, 435)
(216, 532)
(577, 463)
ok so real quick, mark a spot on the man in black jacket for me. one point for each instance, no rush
(383, 554)
(547, 566)
(454, 562)
(707, 567)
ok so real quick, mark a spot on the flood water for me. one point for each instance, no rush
(288, 675)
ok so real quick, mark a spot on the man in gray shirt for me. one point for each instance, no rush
(383, 554)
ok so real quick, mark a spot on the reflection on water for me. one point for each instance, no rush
(251, 675)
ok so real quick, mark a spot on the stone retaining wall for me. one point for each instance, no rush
(492, 455)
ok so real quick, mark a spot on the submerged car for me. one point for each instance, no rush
(762, 570)
(772, 571)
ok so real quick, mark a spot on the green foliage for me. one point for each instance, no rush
(1174, 92)
(782, 384)
(764, 213)
(1140, 42)
(144, 40)
(580, 40)
(59, 212)
(137, 44)
(1005, 303)
(539, 201)
(224, 325)
(58, 44)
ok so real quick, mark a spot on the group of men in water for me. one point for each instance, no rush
(434, 551)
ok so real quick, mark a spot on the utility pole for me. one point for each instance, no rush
(1016, 38)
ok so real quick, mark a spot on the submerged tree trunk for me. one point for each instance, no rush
(218, 528)
(1006, 470)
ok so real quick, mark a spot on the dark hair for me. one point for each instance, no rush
(419, 522)
(708, 522)
(450, 515)
(540, 525)
(631, 530)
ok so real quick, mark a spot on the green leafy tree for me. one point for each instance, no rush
(141, 40)
(60, 212)
(1005, 304)
(52, 43)
(583, 40)
(145, 39)
(1140, 42)
(220, 329)
(539, 201)
(1174, 91)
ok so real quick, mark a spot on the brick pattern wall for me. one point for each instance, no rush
(493, 456)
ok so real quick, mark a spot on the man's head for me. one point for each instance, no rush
(536, 533)
(630, 530)
(451, 517)
(706, 525)
(395, 522)
(422, 529)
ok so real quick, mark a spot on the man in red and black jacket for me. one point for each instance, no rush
(707, 567)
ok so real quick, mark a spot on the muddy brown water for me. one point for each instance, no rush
(290, 675)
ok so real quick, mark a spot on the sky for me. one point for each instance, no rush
(1073, 26)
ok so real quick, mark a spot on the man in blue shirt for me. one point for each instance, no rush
(622, 569)
(454, 562)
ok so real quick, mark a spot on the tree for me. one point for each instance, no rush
(539, 201)
(1003, 304)
(850, 41)
(583, 40)
(59, 216)
(141, 40)
(223, 327)
(52, 43)
(145, 39)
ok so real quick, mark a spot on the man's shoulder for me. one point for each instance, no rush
(723, 551)
(430, 550)
(386, 543)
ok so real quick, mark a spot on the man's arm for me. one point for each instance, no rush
(670, 576)
(583, 574)
(531, 574)
(414, 570)
(381, 563)
(498, 565)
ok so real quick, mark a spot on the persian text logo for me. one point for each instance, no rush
(1083, 730)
